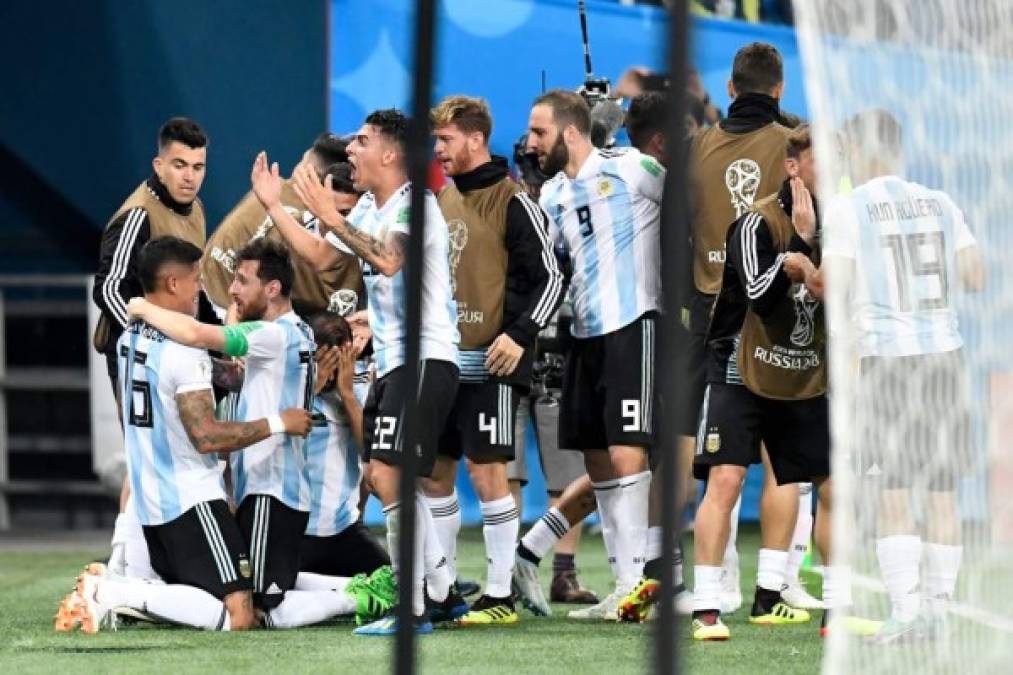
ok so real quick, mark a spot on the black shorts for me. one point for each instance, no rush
(273, 533)
(383, 414)
(352, 551)
(735, 421)
(482, 422)
(608, 389)
(694, 361)
(202, 548)
(914, 419)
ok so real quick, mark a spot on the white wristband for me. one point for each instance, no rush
(276, 425)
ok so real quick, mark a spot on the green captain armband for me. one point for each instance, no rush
(236, 343)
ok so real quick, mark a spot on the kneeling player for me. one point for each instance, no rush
(336, 542)
(171, 436)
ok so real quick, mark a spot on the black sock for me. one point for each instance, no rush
(562, 562)
(526, 553)
(764, 600)
(652, 568)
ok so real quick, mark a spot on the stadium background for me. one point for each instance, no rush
(76, 131)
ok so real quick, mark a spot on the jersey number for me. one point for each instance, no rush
(584, 221)
(487, 425)
(631, 412)
(919, 254)
(140, 404)
(382, 431)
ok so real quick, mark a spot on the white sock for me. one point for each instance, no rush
(803, 532)
(942, 565)
(632, 527)
(446, 513)
(310, 581)
(501, 525)
(546, 533)
(837, 587)
(653, 548)
(130, 557)
(607, 494)
(304, 608)
(393, 515)
(437, 567)
(706, 588)
(731, 558)
(174, 603)
(899, 559)
(770, 564)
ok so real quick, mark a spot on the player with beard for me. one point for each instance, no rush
(271, 489)
(171, 439)
(507, 286)
(376, 233)
(605, 208)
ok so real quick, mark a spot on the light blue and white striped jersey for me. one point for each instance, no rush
(608, 218)
(903, 238)
(386, 295)
(332, 468)
(167, 474)
(280, 370)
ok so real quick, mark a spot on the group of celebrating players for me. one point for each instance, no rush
(261, 383)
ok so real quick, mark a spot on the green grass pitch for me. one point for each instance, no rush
(31, 585)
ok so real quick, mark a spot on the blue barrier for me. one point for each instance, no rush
(500, 50)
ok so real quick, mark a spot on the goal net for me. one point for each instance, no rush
(912, 103)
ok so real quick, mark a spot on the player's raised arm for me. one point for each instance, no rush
(345, 377)
(385, 256)
(266, 183)
(197, 413)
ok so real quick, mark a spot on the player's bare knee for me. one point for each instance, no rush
(724, 484)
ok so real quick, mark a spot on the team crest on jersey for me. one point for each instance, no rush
(805, 317)
(244, 567)
(343, 302)
(713, 442)
(742, 178)
(605, 187)
(458, 240)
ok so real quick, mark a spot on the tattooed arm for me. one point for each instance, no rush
(386, 256)
(197, 412)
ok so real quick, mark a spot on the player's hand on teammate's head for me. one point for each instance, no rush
(327, 365)
(315, 196)
(266, 181)
(803, 214)
(136, 308)
(297, 421)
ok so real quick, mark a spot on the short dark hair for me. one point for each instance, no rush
(647, 116)
(275, 262)
(757, 69)
(330, 329)
(181, 130)
(330, 148)
(391, 123)
(341, 178)
(162, 251)
(567, 108)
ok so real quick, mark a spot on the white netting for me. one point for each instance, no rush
(944, 70)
